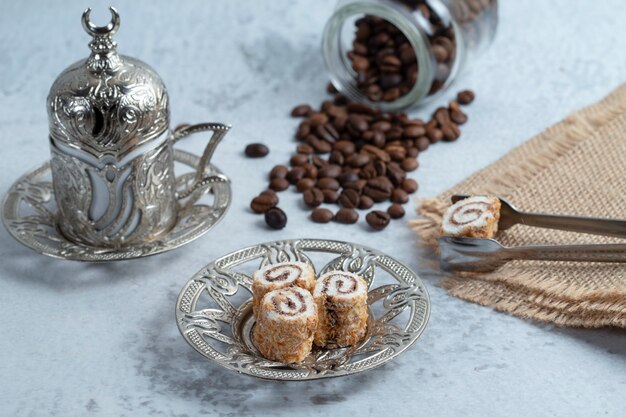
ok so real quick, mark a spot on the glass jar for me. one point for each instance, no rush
(395, 54)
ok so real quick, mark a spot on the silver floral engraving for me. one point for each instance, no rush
(222, 331)
(30, 213)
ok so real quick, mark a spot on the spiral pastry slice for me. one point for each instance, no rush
(472, 217)
(281, 275)
(286, 320)
(341, 299)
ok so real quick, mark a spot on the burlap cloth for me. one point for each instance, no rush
(576, 167)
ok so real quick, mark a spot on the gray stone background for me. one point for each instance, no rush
(78, 339)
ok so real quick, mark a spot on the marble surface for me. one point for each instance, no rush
(79, 339)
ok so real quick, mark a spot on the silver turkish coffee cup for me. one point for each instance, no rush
(112, 149)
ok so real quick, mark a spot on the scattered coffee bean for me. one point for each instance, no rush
(365, 202)
(399, 196)
(330, 196)
(330, 171)
(346, 216)
(377, 219)
(328, 184)
(395, 211)
(275, 218)
(409, 185)
(409, 164)
(305, 184)
(321, 215)
(271, 193)
(304, 149)
(313, 197)
(299, 160)
(355, 156)
(349, 198)
(295, 174)
(256, 150)
(279, 171)
(465, 97)
(260, 204)
(301, 110)
(279, 184)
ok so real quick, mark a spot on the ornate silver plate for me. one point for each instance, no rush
(29, 214)
(214, 309)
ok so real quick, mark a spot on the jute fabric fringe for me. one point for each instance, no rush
(575, 167)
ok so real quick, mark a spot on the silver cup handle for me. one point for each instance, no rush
(201, 180)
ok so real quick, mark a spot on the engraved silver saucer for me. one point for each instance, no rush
(214, 309)
(29, 214)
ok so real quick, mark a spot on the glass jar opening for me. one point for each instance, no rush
(337, 44)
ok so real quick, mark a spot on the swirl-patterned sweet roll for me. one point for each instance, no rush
(286, 320)
(281, 275)
(341, 299)
(472, 217)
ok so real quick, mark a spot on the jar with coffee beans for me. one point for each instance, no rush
(395, 54)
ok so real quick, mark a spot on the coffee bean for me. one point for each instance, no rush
(271, 193)
(465, 97)
(275, 218)
(318, 119)
(305, 184)
(345, 147)
(328, 184)
(409, 164)
(279, 184)
(396, 152)
(395, 173)
(396, 211)
(450, 132)
(295, 174)
(399, 196)
(301, 110)
(330, 171)
(357, 185)
(260, 204)
(414, 131)
(310, 171)
(409, 185)
(321, 215)
(330, 196)
(303, 131)
(377, 219)
(313, 197)
(378, 189)
(349, 198)
(304, 148)
(346, 216)
(358, 160)
(365, 202)
(336, 157)
(298, 160)
(279, 171)
(412, 153)
(434, 135)
(347, 177)
(256, 150)
(422, 143)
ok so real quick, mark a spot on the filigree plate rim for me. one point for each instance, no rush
(85, 253)
(420, 311)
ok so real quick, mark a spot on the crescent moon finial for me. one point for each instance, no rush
(109, 29)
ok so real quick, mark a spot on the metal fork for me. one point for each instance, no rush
(483, 255)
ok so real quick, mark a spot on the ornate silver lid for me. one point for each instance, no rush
(107, 104)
